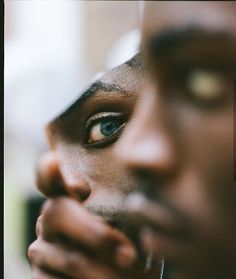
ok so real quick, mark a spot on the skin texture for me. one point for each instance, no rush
(179, 146)
(82, 232)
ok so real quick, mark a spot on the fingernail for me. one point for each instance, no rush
(125, 256)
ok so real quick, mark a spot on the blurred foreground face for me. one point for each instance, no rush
(179, 143)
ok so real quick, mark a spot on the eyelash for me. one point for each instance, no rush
(98, 118)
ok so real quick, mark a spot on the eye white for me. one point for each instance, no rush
(95, 133)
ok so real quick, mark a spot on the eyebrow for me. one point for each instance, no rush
(169, 39)
(91, 91)
(136, 62)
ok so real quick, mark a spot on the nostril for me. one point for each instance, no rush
(83, 193)
(152, 182)
(79, 190)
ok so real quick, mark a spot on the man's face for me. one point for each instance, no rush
(84, 168)
(84, 135)
(179, 142)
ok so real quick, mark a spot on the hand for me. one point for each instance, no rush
(73, 243)
(49, 179)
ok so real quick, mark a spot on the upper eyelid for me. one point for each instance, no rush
(100, 116)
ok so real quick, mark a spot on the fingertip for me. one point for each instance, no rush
(47, 166)
(125, 256)
(49, 180)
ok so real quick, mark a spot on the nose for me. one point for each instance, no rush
(51, 182)
(80, 189)
(146, 143)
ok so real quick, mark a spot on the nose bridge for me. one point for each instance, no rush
(149, 113)
(146, 141)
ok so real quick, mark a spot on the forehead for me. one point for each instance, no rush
(116, 87)
(214, 15)
(128, 75)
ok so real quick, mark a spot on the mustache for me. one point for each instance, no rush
(107, 212)
(137, 211)
(111, 207)
(136, 208)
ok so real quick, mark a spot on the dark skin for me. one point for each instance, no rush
(180, 146)
(81, 232)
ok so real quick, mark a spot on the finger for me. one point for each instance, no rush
(53, 260)
(35, 252)
(56, 259)
(64, 216)
(40, 274)
(48, 176)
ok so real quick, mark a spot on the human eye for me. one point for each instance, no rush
(103, 129)
(205, 85)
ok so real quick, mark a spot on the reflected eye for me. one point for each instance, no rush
(206, 85)
(103, 128)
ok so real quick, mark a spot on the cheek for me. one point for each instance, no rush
(206, 144)
(98, 167)
(211, 149)
(106, 173)
(204, 186)
(71, 162)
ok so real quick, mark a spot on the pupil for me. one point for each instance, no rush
(109, 127)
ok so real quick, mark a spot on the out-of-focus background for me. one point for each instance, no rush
(52, 51)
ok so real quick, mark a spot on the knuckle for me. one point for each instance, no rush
(48, 177)
(41, 178)
(39, 226)
(47, 206)
(33, 251)
(37, 273)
